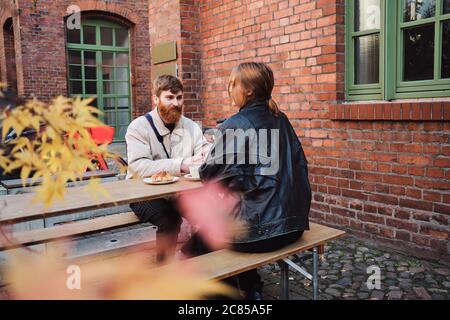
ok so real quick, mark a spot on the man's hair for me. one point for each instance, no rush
(166, 82)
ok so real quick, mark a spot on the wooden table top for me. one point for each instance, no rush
(19, 208)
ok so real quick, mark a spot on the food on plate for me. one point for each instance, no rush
(162, 176)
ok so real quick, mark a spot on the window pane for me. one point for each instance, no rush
(446, 49)
(106, 36)
(90, 58)
(74, 72)
(418, 54)
(90, 73)
(74, 57)
(367, 15)
(122, 74)
(123, 103)
(110, 118)
(94, 103)
(108, 87)
(446, 6)
(89, 35)
(90, 87)
(367, 59)
(109, 104)
(121, 59)
(121, 131)
(121, 38)
(123, 118)
(122, 88)
(76, 87)
(73, 36)
(107, 59)
(419, 9)
(108, 73)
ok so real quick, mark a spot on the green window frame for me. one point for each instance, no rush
(98, 66)
(391, 33)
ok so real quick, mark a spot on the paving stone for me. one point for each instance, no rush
(393, 288)
(391, 282)
(345, 282)
(395, 295)
(446, 284)
(436, 290)
(350, 290)
(356, 285)
(415, 270)
(442, 271)
(362, 295)
(391, 275)
(404, 275)
(378, 295)
(337, 286)
(422, 293)
(333, 292)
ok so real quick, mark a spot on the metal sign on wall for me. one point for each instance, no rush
(161, 54)
(164, 52)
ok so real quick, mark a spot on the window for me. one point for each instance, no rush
(99, 67)
(397, 49)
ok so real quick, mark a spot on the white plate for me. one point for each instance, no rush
(190, 178)
(149, 181)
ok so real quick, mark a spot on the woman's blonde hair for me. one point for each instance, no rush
(257, 78)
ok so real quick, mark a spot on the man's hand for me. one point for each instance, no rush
(192, 161)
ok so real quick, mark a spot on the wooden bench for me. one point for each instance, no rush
(70, 229)
(225, 263)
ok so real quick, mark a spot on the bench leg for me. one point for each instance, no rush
(315, 276)
(284, 281)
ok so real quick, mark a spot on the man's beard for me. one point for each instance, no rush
(170, 114)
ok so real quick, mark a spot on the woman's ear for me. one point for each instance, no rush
(249, 93)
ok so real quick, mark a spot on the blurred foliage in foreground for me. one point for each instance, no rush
(60, 151)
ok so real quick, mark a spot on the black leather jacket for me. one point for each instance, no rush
(275, 198)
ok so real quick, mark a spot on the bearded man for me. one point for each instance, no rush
(163, 140)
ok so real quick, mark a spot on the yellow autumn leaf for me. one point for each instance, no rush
(94, 188)
(25, 172)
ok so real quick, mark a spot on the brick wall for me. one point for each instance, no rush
(165, 26)
(42, 40)
(381, 179)
(178, 20)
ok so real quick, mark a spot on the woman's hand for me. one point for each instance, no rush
(192, 161)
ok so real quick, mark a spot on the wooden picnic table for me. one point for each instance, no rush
(20, 208)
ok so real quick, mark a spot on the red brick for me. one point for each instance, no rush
(371, 218)
(435, 232)
(421, 205)
(442, 208)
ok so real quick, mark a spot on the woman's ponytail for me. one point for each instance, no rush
(273, 107)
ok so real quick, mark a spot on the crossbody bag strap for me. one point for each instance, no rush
(158, 136)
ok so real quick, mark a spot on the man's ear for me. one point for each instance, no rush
(155, 100)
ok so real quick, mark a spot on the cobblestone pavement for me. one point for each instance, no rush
(343, 275)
